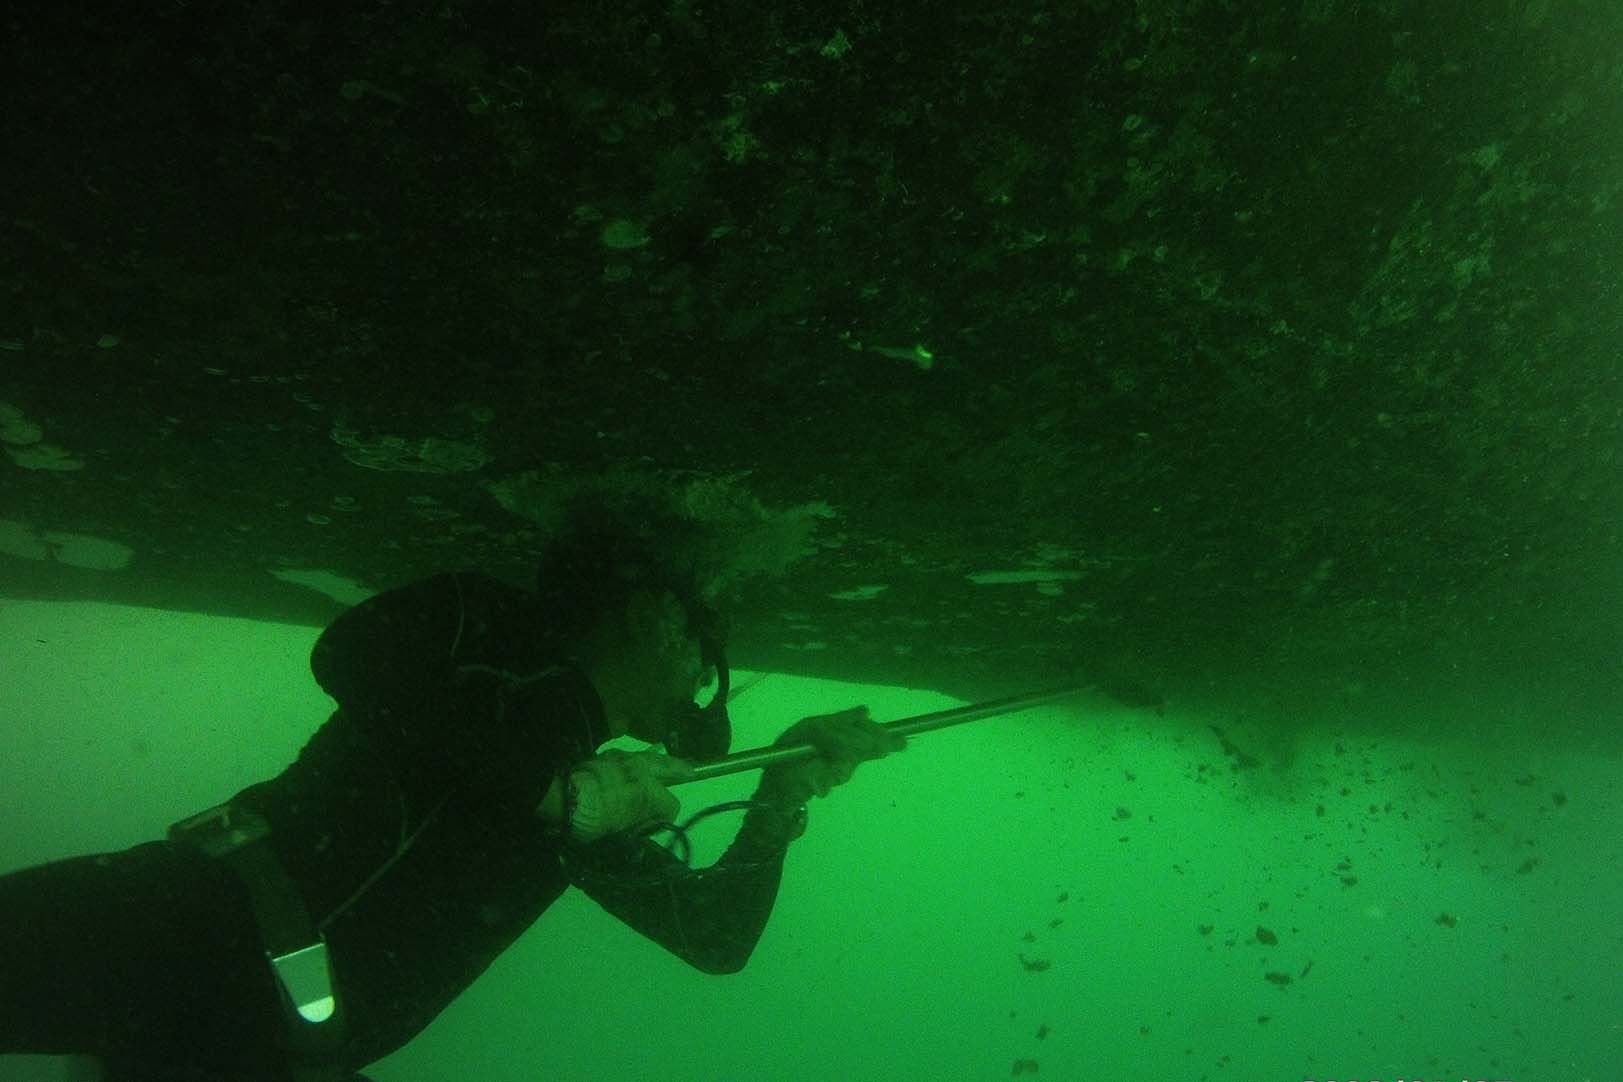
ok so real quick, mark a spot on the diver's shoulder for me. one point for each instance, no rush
(472, 583)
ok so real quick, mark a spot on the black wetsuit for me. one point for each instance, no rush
(408, 821)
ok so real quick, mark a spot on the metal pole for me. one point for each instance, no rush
(919, 723)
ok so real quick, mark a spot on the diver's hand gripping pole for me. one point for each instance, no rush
(920, 723)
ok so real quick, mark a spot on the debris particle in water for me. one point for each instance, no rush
(1205, 929)
(1275, 977)
(1042, 1031)
(1024, 1066)
(1447, 920)
(1559, 798)
(1034, 965)
(1123, 813)
(1266, 936)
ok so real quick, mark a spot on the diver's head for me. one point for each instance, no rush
(644, 662)
(623, 602)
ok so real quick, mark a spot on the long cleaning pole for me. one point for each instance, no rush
(756, 758)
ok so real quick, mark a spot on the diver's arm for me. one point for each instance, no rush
(711, 917)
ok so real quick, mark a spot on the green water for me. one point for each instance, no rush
(1066, 894)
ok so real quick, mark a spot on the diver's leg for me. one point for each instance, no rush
(144, 956)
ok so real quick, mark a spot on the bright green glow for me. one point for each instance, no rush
(918, 355)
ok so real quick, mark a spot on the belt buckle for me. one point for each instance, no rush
(306, 977)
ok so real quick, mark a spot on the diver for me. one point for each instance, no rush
(317, 921)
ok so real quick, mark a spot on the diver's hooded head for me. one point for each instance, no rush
(622, 595)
